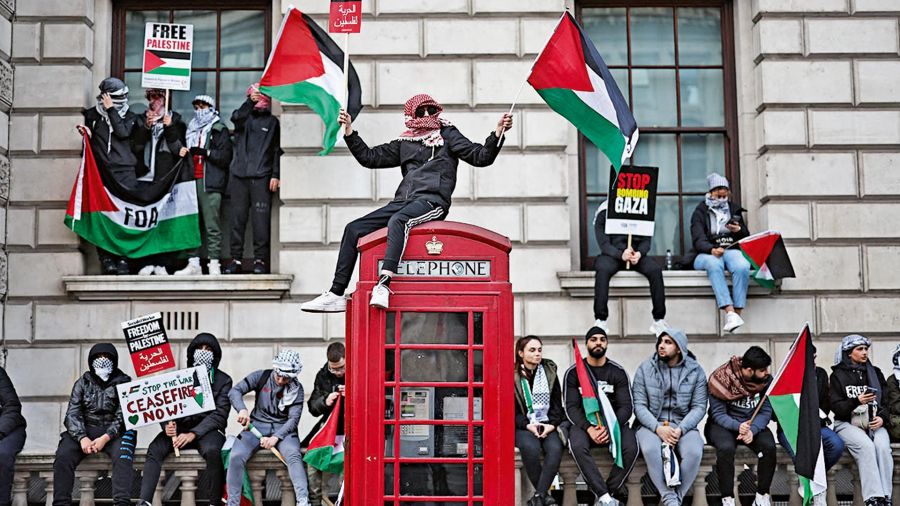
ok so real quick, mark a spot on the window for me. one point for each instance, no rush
(231, 41)
(675, 68)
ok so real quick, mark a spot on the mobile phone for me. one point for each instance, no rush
(540, 429)
(871, 390)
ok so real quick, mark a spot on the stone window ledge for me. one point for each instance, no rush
(236, 286)
(633, 284)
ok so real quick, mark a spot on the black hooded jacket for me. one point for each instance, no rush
(217, 419)
(218, 158)
(324, 385)
(257, 143)
(849, 382)
(10, 408)
(428, 173)
(112, 143)
(94, 402)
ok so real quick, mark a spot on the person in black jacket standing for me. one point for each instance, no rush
(328, 386)
(615, 254)
(428, 154)
(112, 127)
(716, 224)
(256, 174)
(94, 424)
(209, 144)
(204, 431)
(12, 434)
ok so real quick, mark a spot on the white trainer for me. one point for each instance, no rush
(303, 501)
(192, 269)
(325, 303)
(215, 268)
(658, 327)
(159, 270)
(762, 500)
(381, 296)
(146, 270)
(732, 321)
(728, 501)
(601, 324)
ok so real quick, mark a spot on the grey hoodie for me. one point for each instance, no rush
(677, 393)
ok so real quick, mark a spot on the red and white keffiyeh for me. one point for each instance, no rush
(426, 129)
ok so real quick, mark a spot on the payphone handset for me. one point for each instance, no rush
(416, 404)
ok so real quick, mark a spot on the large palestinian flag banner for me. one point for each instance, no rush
(768, 257)
(130, 222)
(306, 67)
(572, 78)
(795, 400)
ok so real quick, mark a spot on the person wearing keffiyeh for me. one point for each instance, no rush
(428, 153)
(893, 396)
(539, 412)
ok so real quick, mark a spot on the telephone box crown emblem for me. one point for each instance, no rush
(434, 246)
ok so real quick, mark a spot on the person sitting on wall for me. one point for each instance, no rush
(716, 224)
(275, 415)
(615, 254)
(428, 153)
(12, 435)
(539, 412)
(204, 432)
(94, 423)
(892, 387)
(328, 386)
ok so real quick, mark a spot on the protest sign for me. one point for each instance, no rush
(345, 17)
(148, 344)
(167, 56)
(165, 397)
(632, 200)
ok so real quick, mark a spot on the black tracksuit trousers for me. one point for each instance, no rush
(580, 445)
(399, 217)
(69, 455)
(607, 267)
(250, 196)
(725, 443)
(210, 448)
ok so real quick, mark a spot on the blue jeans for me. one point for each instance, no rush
(737, 265)
(832, 446)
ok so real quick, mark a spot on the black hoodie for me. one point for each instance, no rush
(94, 402)
(848, 382)
(203, 423)
(10, 408)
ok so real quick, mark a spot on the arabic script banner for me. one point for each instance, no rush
(148, 344)
(345, 17)
(165, 397)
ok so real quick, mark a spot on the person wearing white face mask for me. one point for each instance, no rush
(716, 224)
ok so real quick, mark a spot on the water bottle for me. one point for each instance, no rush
(669, 260)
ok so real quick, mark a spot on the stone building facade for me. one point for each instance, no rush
(817, 120)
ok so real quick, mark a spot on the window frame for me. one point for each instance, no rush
(729, 92)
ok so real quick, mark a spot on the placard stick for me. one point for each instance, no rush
(166, 108)
(628, 262)
(346, 69)
(177, 451)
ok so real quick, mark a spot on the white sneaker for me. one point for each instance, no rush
(601, 324)
(303, 502)
(381, 295)
(146, 270)
(192, 269)
(215, 269)
(159, 270)
(658, 327)
(605, 500)
(732, 321)
(325, 303)
(762, 500)
(728, 501)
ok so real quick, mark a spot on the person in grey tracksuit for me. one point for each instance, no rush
(276, 414)
(670, 397)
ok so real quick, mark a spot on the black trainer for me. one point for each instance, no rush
(233, 267)
(122, 268)
(108, 266)
(259, 267)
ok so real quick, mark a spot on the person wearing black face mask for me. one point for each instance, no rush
(735, 390)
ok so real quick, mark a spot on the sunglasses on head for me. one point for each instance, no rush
(420, 111)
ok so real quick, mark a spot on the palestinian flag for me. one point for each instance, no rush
(795, 400)
(167, 63)
(572, 78)
(768, 257)
(134, 222)
(246, 490)
(597, 407)
(306, 67)
(326, 449)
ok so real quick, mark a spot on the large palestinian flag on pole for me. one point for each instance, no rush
(326, 448)
(130, 222)
(572, 78)
(767, 256)
(795, 400)
(306, 67)
(597, 407)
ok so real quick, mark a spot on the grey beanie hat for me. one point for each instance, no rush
(716, 181)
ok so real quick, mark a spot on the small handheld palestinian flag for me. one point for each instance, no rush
(326, 449)
(572, 78)
(597, 407)
(198, 390)
(305, 67)
(768, 257)
(795, 400)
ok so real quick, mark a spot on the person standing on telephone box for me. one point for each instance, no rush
(204, 432)
(615, 254)
(209, 145)
(539, 412)
(861, 417)
(428, 153)
(12, 435)
(716, 224)
(328, 386)
(255, 177)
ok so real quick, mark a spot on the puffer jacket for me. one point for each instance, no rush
(217, 419)
(691, 398)
(10, 407)
(94, 402)
(428, 172)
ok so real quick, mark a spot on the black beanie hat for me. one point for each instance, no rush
(593, 331)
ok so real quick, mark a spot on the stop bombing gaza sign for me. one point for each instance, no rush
(168, 49)
(631, 208)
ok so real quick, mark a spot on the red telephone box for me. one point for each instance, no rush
(430, 393)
